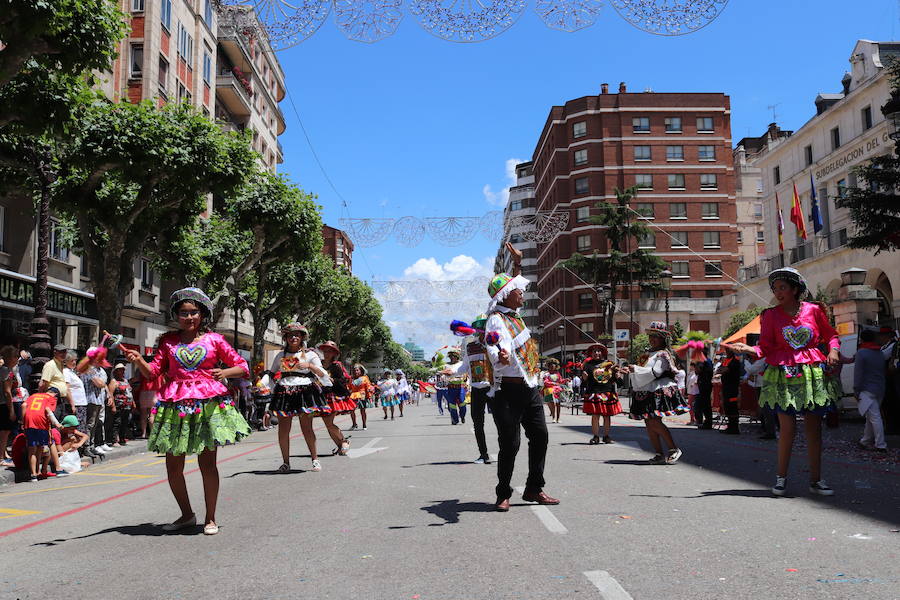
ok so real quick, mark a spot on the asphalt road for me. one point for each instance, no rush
(408, 516)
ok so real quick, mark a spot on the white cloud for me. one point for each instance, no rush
(459, 267)
(501, 197)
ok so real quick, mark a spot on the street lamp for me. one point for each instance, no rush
(891, 112)
(562, 355)
(665, 284)
(853, 276)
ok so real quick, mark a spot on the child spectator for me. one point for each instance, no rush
(37, 420)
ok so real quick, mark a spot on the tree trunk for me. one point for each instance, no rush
(39, 340)
(259, 334)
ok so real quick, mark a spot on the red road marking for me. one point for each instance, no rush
(123, 494)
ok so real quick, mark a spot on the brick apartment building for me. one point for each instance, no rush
(338, 246)
(676, 147)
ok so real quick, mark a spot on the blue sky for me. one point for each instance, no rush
(414, 125)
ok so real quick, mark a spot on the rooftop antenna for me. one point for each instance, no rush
(772, 107)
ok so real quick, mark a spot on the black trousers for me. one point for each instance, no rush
(515, 406)
(479, 402)
(703, 407)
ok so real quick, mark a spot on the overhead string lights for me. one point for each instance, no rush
(410, 231)
(286, 23)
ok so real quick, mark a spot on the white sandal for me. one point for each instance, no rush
(316, 466)
(210, 529)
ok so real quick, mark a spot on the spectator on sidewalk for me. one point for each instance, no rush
(38, 420)
(122, 404)
(703, 403)
(77, 394)
(8, 383)
(731, 370)
(71, 437)
(94, 378)
(753, 370)
(869, 387)
(25, 369)
(692, 392)
(52, 376)
(147, 397)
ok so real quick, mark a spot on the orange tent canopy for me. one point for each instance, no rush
(741, 334)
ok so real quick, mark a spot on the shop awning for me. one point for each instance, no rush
(741, 334)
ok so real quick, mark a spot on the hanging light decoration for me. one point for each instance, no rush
(368, 20)
(669, 17)
(568, 15)
(467, 20)
(284, 24)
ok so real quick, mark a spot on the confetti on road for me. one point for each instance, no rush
(859, 536)
(791, 570)
(366, 556)
(810, 539)
(625, 517)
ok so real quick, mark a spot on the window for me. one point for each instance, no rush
(515, 238)
(680, 293)
(185, 44)
(711, 239)
(709, 181)
(760, 236)
(647, 241)
(642, 153)
(776, 175)
(841, 188)
(676, 182)
(709, 210)
(645, 210)
(740, 237)
(163, 76)
(584, 243)
(706, 152)
(673, 124)
(208, 12)
(181, 93)
(146, 274)
(640, 124)
(207, 68)
(587, 327)
(678, 210)
(585, 301)
(648, 293)
(137, 5)
(644, 182)
(582, 186)
(835, 138)
(867, 118)
(580, 157)
(515, 204)
(679, 239)
(583, 214)
(58, 248)
(681, 268)
(165, 14)
(579, 129)
(2, 229)
(712, 268)
(674, 152)
(704, 125)
(807, 155)
(137, 60)
(713, 293)
(758, 210)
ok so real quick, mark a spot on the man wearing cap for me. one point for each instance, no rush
(52, 376)
(515, 398)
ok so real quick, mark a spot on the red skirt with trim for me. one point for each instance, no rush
(601, 403)
(340, 405)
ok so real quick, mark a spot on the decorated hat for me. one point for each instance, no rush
(603, 350)
(398, 372)
(658, 328)
(294, 328)
(98, 356)
(454, 350)
(502, 285)
(480, 321)
(552, 362)
(791, 275)
(330, 346)
(190, 294)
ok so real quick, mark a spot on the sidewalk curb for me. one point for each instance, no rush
(10, 476)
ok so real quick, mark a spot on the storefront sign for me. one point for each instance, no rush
(21, 292)
(845, 328)
(854, 154)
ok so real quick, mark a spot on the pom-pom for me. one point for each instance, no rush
(461, 329)
(182, 414)
(492, 338)
(221, 405)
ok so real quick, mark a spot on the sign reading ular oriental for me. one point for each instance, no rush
(854, 154)
(21, 292)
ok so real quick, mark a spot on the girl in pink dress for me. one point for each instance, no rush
(794, 381)
(195, 413)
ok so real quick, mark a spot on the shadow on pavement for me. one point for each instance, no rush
(261, 472)
(439, 464)
(144, 529)
(449, 510)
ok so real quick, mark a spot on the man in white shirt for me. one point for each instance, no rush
(514, 397)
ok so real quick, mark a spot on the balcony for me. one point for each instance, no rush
(231, 92)
(280, 153)
(236, 47)
(801, 252)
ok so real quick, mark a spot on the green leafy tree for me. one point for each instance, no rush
(638, 348)
(625, 262)
(66, 36)
(741, 319)
(677, 332)
(135, 177)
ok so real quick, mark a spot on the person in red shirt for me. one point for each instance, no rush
(37, 420)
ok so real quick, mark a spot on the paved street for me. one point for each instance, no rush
(408, 516)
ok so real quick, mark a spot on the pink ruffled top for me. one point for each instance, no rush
(786, 340)
(188, 367)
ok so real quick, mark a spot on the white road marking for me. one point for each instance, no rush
(366, 449)
(547, 518)
(609, 588)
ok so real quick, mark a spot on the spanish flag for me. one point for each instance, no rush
(797, 215)
(780, 223)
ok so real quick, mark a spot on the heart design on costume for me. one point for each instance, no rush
(797, 337)
(288, 364)
(190, 357)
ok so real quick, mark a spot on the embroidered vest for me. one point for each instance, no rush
(525, 347)
(480, 370)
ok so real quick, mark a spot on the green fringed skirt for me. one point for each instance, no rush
(796, 389)
(192, 426)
